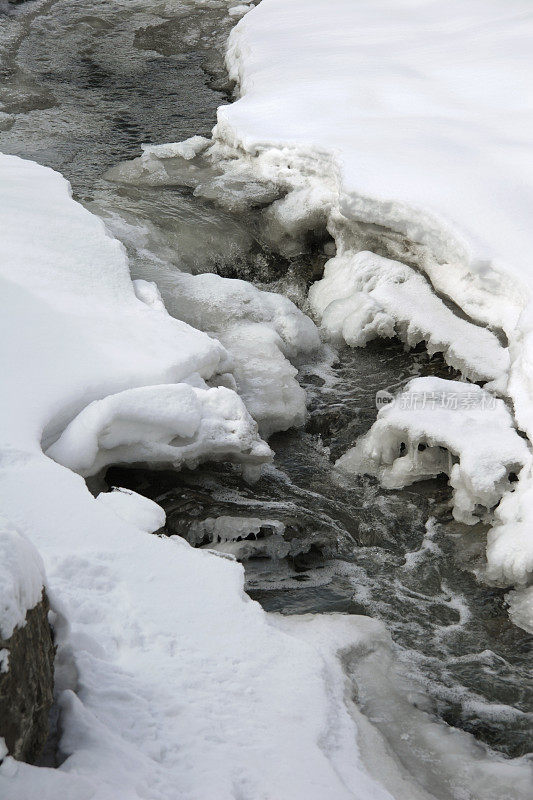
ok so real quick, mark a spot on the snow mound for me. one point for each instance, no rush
(521, 607)
(134, 508)
(510, 541)
(21, 578)
(261, 331)
(363, 296)
(168, 424)
(436, 426)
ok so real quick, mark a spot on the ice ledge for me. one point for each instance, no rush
(437, 426)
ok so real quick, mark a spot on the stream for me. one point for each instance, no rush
(83, 84)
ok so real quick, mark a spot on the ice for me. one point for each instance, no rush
(437, 426)
(261, 331)
(363, 296)
(521, 607)
(22, 579)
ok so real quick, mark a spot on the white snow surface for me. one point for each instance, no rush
(363, 296)
(21, 578)
(171, 682)
(436, 426)
(134, 508)
(426, 106)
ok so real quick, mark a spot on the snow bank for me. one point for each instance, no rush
(21, 578)
(170, 681)
(438, 426)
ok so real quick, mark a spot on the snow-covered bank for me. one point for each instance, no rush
(171, 683)
(402, 128)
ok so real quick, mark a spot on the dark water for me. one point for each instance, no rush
(84, 83)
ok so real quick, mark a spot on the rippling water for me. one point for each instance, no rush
(83, 84)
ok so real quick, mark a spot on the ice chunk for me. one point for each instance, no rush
(168, 424)
(510, 543)
(437, 426)
(187, 149)
(363, 296)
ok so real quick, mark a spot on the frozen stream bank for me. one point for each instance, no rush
(84, 86)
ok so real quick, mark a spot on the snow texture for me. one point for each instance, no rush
(170, 681)
(363, 296)
(21, 581)
(134, 508)
(174, 424)
(437, 426)
(399, 126)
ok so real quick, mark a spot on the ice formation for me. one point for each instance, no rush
(242, 537)
(437, 426)
(173, 424)
(262, 332)
(363, 296)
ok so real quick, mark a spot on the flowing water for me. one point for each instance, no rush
(83, 84)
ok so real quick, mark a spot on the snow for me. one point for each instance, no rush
(425, 105)
(363, 296)
(21, 581)
(436, 426)
(400, 127)
(175, 424)
(170, 681)
(134, 508)
(262, 331)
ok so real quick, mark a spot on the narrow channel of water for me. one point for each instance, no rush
(82, 87)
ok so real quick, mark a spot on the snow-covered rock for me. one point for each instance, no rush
(26, 648)
(176, 424)
(22, 578)
(437, 426)
(134, 508)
